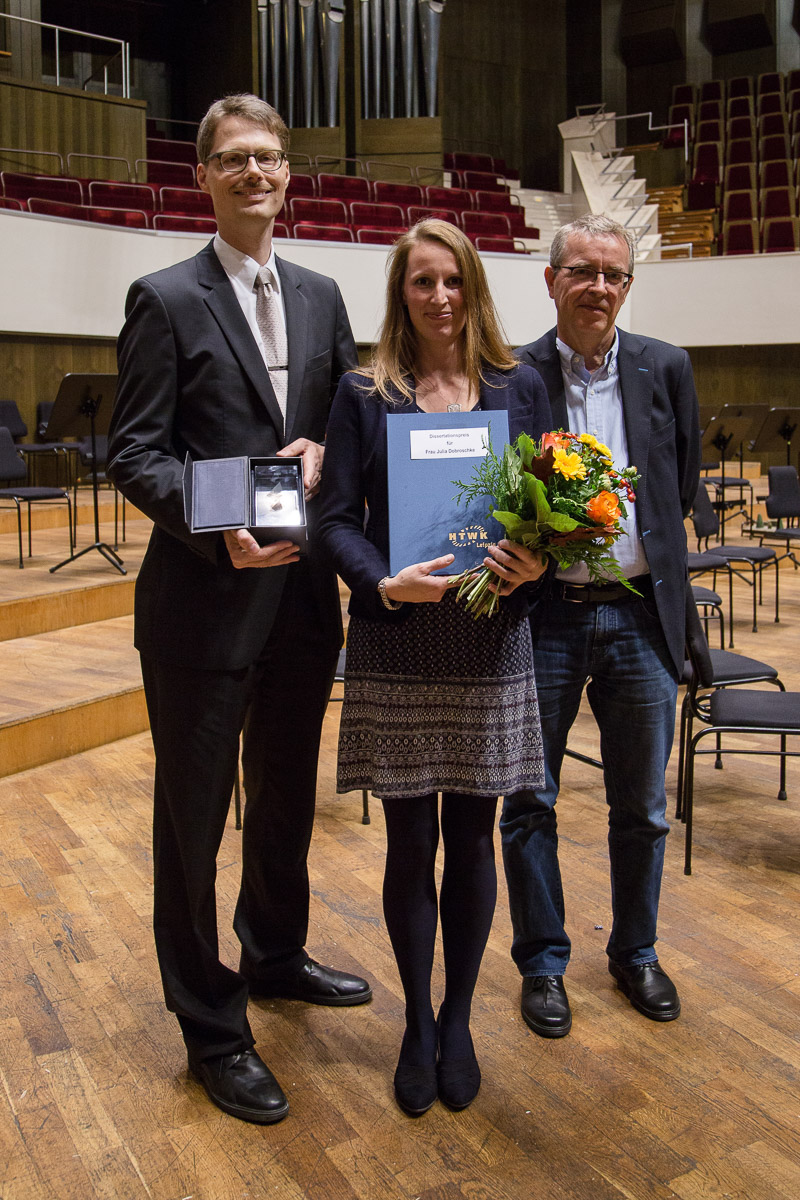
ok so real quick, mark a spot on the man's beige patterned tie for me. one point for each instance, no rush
(273, 335)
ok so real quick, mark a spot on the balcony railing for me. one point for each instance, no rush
(122, 52)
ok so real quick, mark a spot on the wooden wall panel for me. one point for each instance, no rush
(504, 83)
(31, 368)
(35, 117)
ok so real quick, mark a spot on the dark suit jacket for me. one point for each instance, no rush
(356, 471)
(661, 425)
(192, 380)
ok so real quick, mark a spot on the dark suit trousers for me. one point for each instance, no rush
(196, 718)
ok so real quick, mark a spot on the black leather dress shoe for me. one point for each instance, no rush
(316, 985)
(649, 989)
(545, 1007)
(242, 1085)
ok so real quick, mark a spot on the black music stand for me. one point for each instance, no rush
(757, 414)
(718, 437)
(83, 405)
(780, 426)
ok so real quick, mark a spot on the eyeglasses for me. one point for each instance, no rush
(236, 160)
(586, 275)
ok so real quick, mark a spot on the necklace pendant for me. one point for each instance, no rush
(454, 408)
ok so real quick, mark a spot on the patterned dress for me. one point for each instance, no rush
(441, 702)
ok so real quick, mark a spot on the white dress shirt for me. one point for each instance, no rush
(241, 269)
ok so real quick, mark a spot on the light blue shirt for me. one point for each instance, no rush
(594, 405)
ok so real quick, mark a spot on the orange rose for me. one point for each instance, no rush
(603, 508)
(556, 440)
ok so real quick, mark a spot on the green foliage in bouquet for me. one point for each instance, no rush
(560, 496)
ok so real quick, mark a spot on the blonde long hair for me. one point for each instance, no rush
(394, 354)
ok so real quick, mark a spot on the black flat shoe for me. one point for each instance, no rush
(545, 1007)
(243, 1086)
(414, 1086)
(649, 989)
(314, 984)
(458, 1081)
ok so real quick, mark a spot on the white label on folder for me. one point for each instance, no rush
(449, 443)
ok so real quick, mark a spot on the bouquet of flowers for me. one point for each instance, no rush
(560, 496)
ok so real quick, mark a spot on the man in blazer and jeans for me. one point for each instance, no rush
(637, 396)
(234, 352)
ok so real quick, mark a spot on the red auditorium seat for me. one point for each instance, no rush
(769, 82)
(308, 230)
(710, 131)
(742, 85)
(498, 245)
(775, 146)
(318, 212)
(741, 127)
(281, 229)
(678, 113)
(493, 201)
(422, 212)
(740, 206)
(709, 110)
(16, 185)
(777, 202)
(378, 237)
(684, 93)
(740, 106)
(794, 122)
(450, 198)
(793, 80)
(181, 223)
(139, 196)
(11, 204)
(461, 161)
(781, 235)
(777, 173)
(773, 123)
(479, 224)
(793, 102)
(58, 208)
(301, 185)
(740, 150)
(164, 174)
(128, 218)
(185, 202)
(343, 187)
(712, 89)
(740, 237)
(483, 181)
(385, 191)
(772, 102)
(740, 177)
(167, 150)
(377, 216)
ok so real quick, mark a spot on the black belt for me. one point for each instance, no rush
(601, 593)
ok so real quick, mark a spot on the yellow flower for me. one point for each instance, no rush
(589, 440)
(569, 465)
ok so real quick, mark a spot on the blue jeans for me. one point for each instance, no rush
(619, 647)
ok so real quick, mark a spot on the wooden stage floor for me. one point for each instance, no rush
(96, 1100)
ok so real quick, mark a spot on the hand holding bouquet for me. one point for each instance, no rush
(560, 496)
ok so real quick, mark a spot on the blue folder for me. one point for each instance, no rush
(427, 453)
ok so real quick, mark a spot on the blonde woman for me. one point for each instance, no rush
(436, 703)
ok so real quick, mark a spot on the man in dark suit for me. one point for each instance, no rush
(637, 396)
(234, 352)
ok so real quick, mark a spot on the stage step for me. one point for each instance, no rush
(68, 690)
(89, 589)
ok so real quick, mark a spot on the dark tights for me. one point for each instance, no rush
(466, 904)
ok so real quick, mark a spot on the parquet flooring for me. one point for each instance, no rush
(95, 1100)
